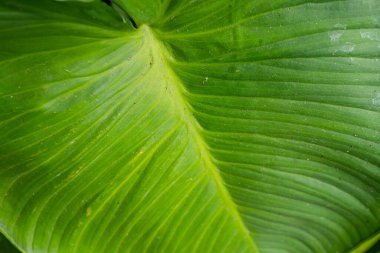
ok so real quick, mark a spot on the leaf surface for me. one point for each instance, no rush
(215, 126)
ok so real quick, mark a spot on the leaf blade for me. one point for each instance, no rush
(285, 95)
(83, 164)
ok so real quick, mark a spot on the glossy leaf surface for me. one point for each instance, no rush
(215, 126)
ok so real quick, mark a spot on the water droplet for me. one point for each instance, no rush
(335, 35)
(367, 35)
(340, 26)
(348, 47)
(376, 100)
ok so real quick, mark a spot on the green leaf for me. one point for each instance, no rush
(214, 126)
(371, 245)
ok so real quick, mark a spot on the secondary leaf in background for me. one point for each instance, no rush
(216, 126)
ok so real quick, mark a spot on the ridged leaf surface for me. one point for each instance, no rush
(214, 126)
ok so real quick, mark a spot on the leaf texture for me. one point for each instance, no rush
(215, 126)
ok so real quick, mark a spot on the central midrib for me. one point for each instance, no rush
(161, 58)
